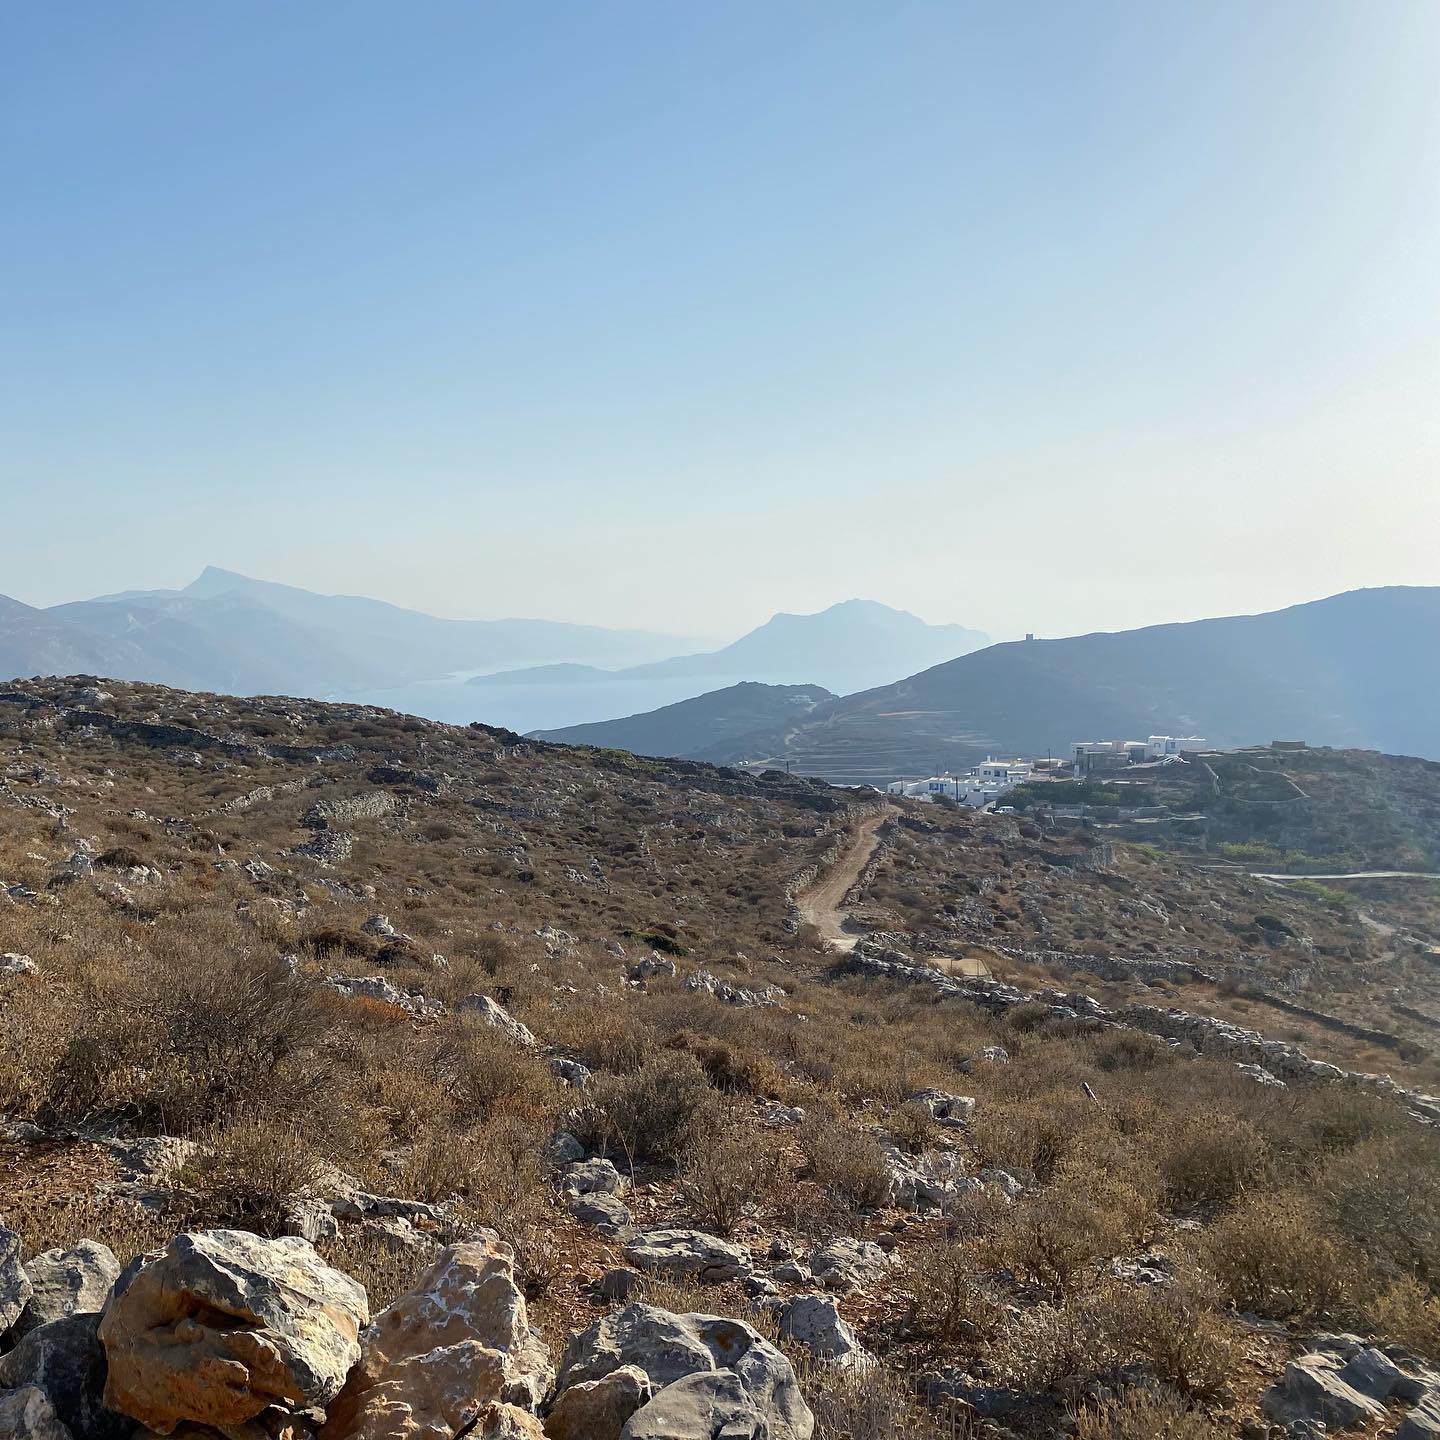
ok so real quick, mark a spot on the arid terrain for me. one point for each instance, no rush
(888, 1119)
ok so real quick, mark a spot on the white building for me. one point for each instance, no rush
(1160, 747)
(976, 788)
(1003, 772)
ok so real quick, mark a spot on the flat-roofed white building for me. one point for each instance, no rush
(977, 787)
(1159, 747)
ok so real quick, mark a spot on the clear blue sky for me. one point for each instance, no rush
(1042, 316)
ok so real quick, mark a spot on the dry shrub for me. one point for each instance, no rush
(1051, 1238)
(1033, 1137)
(734, 1069)
(1175, 1330)
(34, 1040)
(723, 1176)
(1385, 1196)
(55, 1222)
(1145, 1414)
(1273, 1254)
(877, 1404)
(657, 1113)
(488, 1074)
(1410, 1313)
(329, 942)
(247, 1170)
(191, 1032)
(913, 1128)
(951, 1303)
(1130, 1050)
(610, 1039)
(1047, 1346)
(1212, 1158)
(846, 1163)
(385, 1269)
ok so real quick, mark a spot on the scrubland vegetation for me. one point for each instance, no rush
(1165, 1230)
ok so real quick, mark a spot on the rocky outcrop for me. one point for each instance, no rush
(691, 1254)
(68, 1282)
(703, 980)
(847, 1264)
(598, 1409)
(221, 1325)
(815, 1322)
(28, 1415)
(951, 1111)
(608, 1214)
(593, 1177)
(497, 1017)
(708, 1373)
(1313, 1388)
(64, 1359)
(378, 987)
(437, 1357)
(15, 1290)
(1207, 1034)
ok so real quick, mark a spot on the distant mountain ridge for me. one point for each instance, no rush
(227, 632)
(853, 645)
(1356, 670)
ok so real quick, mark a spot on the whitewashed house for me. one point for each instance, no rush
(976, 788)
(1162, 747)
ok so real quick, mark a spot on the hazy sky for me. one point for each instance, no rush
(1042, 316)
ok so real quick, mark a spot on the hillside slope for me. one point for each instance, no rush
(711, 721)
(1354, 670)
(283, 968)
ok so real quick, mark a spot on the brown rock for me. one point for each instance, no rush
(507, 1422)
(598, 1409)
(222, 1325)
(437, 1358)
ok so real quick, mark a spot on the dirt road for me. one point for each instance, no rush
(820, 904)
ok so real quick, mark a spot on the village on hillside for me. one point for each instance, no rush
(982, 786)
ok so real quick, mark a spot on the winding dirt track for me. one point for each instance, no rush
(820, 904)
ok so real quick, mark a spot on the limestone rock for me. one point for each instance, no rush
(619, 1284)
(28, 1415)
(222, 1324)
(691, 1253)
(15, 1288)
(65, 1359)
(1423, 1422)
(847, 1264)
(949, 1110)
(563, 1148)
(594, 1177)
(647, 969)
(607, 1213)
(570, 1072)
(669, 1348)
(815, 1321)
(1313, 1390)
(497, 1017)
(433, 1360)
(1372, 1373)
(68, 1282)
(505, 1422)
(713, 1406)
(598, 1409)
